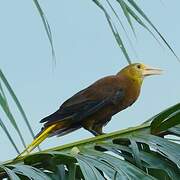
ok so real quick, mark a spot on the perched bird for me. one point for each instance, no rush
(93, 107)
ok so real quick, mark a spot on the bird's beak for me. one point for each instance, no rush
(148, 71)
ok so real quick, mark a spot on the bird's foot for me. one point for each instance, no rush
(96, 133)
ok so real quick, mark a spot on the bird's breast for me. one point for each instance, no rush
(131, 92)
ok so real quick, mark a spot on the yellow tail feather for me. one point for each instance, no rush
(38, 140)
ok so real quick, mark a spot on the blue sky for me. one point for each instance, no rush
(86, 51)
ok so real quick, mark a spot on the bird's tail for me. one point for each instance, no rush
(39, 138)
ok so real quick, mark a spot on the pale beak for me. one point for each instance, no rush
(148, 71)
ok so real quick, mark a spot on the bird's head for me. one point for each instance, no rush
(138, 71)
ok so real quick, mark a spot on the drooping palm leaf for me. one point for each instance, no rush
(131, 10)
(46, 26)
(141, 12)
(4, 105)
(133, 153)
(9, 136)
(10, 90)
(128, 7)
(123, 27)
(114, 30)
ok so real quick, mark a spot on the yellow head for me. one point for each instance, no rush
(138, 71)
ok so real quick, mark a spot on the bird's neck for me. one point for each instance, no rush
(132, 87)
(135, 81)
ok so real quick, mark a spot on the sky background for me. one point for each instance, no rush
(85, 51)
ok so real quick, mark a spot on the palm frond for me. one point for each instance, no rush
(114, 30)
(5, 107)
(163, 121)
(132, 153)
(9, 136)
(46, 26)
(131, 10)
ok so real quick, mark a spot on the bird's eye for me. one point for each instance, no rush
(139, 66)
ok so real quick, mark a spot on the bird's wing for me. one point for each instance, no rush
(76, 103)
(88, 101)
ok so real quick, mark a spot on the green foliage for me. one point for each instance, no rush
(133, 153)
(9, 136)
(131, 11)
(114, 30)
(143, 152)
(170, 117)
(46, 26)
(5, 107)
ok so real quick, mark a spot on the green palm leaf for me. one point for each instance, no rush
(168, 118)
(133, 153)
(128, 13)
(46, 26)
(9, 136)
(142, 152)
(5, 107)
(114, 30)
(140, 11)
(10, 90)
(131, 10)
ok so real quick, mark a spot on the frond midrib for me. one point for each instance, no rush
(89, 141)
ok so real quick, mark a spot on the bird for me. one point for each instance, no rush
(93, 107)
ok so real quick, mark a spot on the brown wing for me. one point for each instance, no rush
(88, 101)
